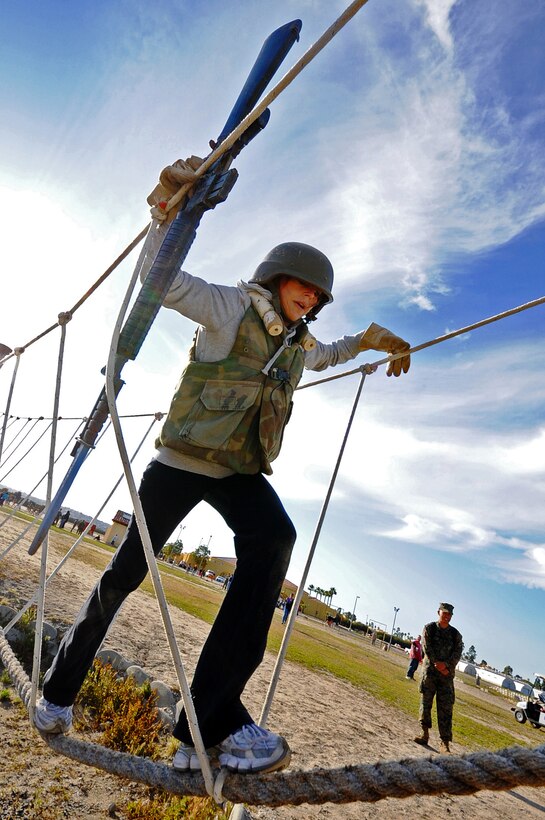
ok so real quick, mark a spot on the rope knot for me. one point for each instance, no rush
(65, 317)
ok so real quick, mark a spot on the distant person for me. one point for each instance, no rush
(415, 655)
(288, 604)
(4, 496)
(57, 518)
(64, 519)
(442, 646)
(114, 541)
(373, 637)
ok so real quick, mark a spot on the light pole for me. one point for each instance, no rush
(353, 618)
(396, 610)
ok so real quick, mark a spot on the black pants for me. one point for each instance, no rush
(264, 538)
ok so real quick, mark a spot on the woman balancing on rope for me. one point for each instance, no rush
(223, 429)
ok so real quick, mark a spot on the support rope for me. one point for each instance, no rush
(37, 521)
(64, 318)
(6, 454)
(11, 512)
(147, 545)
(123, 255)
(436, 341)
(30, 449)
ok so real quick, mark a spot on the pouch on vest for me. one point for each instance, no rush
(217, 413)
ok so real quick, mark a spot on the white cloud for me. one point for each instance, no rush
(437, 17)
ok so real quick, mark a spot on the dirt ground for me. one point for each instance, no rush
(327, 722)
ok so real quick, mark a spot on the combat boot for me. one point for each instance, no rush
(444, 747)
(423, 739)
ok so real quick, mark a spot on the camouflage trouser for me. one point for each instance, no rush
(442, 687)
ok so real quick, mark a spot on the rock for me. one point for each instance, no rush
(114, 658)
(51, 648)
(6, 614)
(167, 718)
(49, 631)
(165, 698)
(138, 675)
(14, 635)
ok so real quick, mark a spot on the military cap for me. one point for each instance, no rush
(447, 608)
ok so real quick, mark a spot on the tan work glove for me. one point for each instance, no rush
(379, 338)
(171, 179)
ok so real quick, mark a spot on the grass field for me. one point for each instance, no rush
(478, 721)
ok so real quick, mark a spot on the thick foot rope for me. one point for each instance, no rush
(441, 774)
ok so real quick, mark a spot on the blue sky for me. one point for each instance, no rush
(411, 152)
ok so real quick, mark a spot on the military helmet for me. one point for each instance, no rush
(302, 262)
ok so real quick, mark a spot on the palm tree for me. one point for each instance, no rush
(311, 588)
(200, 556)
(330, 593)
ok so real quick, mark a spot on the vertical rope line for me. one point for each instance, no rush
(17, 352)
(43, 561)
(148, 548)
(302, 583)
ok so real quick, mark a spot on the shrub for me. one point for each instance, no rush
(124, 713)
(166, 807)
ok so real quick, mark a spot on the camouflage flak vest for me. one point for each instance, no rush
(229, 412)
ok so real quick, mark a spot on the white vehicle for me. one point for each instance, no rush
(530, 710)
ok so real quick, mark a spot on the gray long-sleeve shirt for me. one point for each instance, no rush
(218, 310)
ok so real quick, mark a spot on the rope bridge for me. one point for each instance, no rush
(367, 783)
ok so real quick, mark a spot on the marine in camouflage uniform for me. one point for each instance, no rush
(224, 428)
(442, 645)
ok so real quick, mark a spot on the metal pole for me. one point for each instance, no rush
(354, 612)
(396, 610)
(18, 351)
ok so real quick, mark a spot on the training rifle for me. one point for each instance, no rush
(212, 188)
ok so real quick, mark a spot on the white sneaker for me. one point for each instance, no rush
(52, 719)
(253, 749)
(185, 759)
